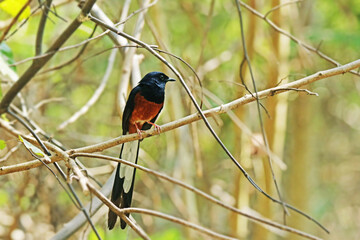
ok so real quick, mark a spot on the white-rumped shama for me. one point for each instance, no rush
(143, 106)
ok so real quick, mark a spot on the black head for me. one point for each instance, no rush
(158, 79)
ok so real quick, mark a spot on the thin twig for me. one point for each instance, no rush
(295, 89)
(46, 101)
(280, 6)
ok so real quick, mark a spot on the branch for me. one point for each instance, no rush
(99, 147)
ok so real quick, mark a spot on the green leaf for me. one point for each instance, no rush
(35, 150)
(7, 54)
(2, 144)
(13, 7)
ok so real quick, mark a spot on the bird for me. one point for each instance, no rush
(142, 108)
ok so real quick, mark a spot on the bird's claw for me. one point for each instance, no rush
(157, 127)
(138, 132)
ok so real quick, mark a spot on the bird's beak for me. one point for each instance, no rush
(171, 80)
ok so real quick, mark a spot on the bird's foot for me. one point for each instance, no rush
(139, 132)
(157, 127)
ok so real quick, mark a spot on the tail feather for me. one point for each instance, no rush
(122, 192)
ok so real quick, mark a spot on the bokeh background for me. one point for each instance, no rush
(315, 139)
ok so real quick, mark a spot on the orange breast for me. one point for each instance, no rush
(144, 111)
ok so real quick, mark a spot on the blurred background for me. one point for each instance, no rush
(314, 140)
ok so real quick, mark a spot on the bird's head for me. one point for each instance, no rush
(155, 79)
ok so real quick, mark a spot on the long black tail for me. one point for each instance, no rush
(121, 194)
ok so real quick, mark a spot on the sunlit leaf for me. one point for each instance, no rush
(35, 150)
(2, 144)
(13, 7)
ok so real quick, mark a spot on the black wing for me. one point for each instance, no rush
(129, 107)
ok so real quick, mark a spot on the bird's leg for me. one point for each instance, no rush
(138, 131)
(157, 127)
